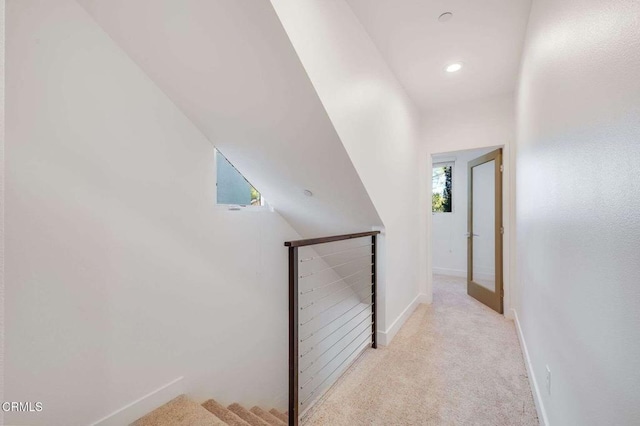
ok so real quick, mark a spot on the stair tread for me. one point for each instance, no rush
(247, 415)
(279, 415)
(222, 412)
(267, 416)
(180, 411)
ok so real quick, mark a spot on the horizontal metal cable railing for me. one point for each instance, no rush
(332, 312)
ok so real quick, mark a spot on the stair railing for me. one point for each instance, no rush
(332, 312)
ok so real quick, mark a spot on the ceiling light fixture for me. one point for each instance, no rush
(445, 17)
(456, 66)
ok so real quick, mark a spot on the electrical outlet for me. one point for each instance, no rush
(548, 380)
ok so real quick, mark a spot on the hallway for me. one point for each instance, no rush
(453, 362)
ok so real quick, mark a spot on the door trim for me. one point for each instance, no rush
(475, 290)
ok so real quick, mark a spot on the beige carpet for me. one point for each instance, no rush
(182, 411)
(455, 362)
(178, 412)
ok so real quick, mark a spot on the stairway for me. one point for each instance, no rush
(183, 411)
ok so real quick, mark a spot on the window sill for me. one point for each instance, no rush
(243, 208)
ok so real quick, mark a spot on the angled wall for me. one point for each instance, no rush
(230, 67)
(125, 281)
(123, 276)
(378, 126)
(578, 204)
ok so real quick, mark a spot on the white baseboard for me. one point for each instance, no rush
(143, 405)
(451, 272)
(508, 313)
(535, 389)
(462, 273)
(425, 298)
(385, 337)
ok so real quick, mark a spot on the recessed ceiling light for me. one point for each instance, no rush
(456, 66)
(445, 17)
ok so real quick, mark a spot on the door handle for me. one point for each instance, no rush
(469, 235)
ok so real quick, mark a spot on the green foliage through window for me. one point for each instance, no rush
(442, 196)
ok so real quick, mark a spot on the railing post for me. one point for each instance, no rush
(374, 343)
(293, 336)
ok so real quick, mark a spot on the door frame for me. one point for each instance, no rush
(494, 300)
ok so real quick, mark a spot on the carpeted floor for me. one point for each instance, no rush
(455, 362)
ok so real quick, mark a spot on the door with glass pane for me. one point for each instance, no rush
(484, 225)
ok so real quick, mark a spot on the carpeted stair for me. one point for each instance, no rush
(223, 413)
(267, 417)
(279, 415)
(177, 412)
(247, 415)
(182, 411)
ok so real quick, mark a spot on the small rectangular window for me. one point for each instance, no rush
(442, 196)
(232, 188)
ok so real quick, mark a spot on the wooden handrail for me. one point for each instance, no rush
(322, 240)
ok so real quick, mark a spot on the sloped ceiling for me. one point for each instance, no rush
(230, 67)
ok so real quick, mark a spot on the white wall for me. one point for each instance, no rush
(449, 241)
(477, 124)
(2, 131)
(482, 123)
(378, 126)
(230, 67)
(578, 204)
(122, 275)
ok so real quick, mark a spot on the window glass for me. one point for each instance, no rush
(232, 187)
(442, 196)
